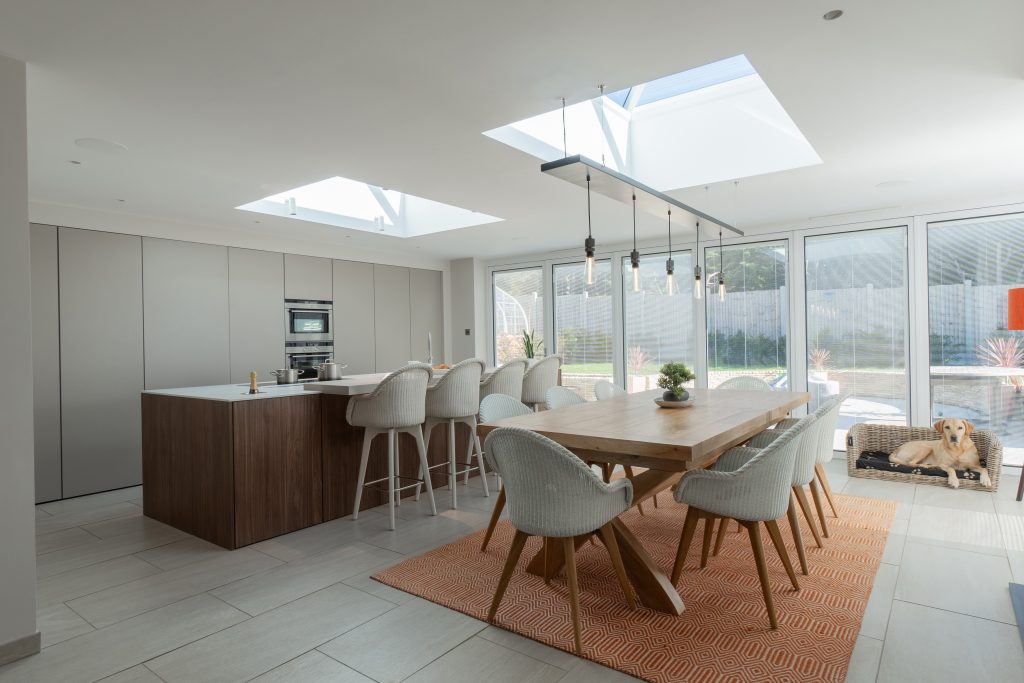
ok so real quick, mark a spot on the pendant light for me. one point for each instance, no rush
(721, 269)
(589, 244)
(670, 265)
(698, 284)
(634, 256)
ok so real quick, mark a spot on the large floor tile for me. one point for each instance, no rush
(91, 502)
(179, 553)
(65, 538)
(1016, 558)
(415, 634)
(138, 524)
(586, 671)
(282, 584)
(545, 653)
(973, 531)
(271, 639)
(877, 488)
(107, 651)
(895, 541)
(1012, 529)
(926, 644)
(88, 515)
(867, 653)
(312, 667)
(956, 580)
(876, 614)
(58, 623)
(478, 659)
(322, 537)
(80, 582)
(136, 674)
(363, 582)
(86, 554)
(127, 600)
(954, 499)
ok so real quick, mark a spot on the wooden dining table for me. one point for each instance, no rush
(632, 430)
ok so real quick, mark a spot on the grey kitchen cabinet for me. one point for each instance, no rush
(46, 362)
(186, 321)
(426, 304)
(309, 278)
(391, 317)
(101, 360)
(354, 317)
(256, 304)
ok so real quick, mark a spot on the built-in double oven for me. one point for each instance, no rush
(309, 335)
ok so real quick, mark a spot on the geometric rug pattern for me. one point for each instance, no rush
(723, 634)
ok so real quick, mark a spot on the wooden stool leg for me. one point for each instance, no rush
(776, 536)
(607, 535)
(1020, 487)
(798, 539)
(819, 470)
(506, 574)
(817, 504)
(709, 531)
(721, 535)
(689, 526)
(762, 571)
(801, 498)
(628, 469)
(499, 505)
(569, 549)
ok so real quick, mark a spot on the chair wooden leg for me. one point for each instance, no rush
(689, 526)
(1020, 488)
(709, 531)
(721, 535)
(820, 471)
(506, 574)
(762, 571)
(773, 531)
(798, 539)
(569, 549)
(607, 535)
(628, 469)
(801, 498)
(499, 505)
(367, 441)
(817, 504)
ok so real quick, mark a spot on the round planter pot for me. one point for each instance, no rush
(670, 396)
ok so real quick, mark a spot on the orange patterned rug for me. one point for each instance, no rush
(724, 632)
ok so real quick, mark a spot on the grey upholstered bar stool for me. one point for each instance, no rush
(396, 406)
(745, 383)
(492, 408)
(452, 400)
(553, 494)
(540, 377)
(506, 379)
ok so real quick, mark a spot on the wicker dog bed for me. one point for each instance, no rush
(868, 447)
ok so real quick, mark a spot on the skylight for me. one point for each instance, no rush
(712, 123)
(347, 203)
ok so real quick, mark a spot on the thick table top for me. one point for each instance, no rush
(631, 429)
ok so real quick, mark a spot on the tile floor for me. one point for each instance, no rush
(124, 598)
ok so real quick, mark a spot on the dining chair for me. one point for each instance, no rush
(554, 495)
(757, 492)
(454, 400)
(396, 406)
(559, 397)
(506, 379)
(540, 377)
(604, 390)
(492, 408)
(745, 383)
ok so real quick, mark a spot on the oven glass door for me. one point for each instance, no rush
(306, 363)
(309, 321)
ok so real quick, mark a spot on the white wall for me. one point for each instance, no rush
(17, 483)
(468, 292)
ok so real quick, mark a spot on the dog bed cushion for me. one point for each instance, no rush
(877, 460)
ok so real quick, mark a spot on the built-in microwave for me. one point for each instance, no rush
(308, 321)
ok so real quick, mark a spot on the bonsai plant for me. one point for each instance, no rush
(672, 378)
(530, 345)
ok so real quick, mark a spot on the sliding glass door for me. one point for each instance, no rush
(856, 286)
(518, 305)
(584, 326)
(747, 332)
(976, 362)
(658, 327)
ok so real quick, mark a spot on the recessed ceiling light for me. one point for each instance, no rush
(832, 14)
(893, 183)
(121, 200)
(76, 163)
(100, 145)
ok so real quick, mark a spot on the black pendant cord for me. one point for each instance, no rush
(670, 233)
(721, 259)
(634, 221)
(565, 144)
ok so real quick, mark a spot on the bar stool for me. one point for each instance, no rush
(538, 379)
(396, 406)
(507, 379)
(451, 400)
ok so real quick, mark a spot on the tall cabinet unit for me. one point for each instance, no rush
(308, 278)
(354, 317)
(391, 309)
(426, 313)
(256, 312)
(186, 320)
(101, 360)
(46, 362)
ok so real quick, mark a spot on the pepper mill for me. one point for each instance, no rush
(253, 389)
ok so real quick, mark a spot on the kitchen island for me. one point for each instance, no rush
(235, 468)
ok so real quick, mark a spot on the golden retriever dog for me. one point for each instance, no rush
(953, 451)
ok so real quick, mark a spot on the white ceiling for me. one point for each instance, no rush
(221, 103)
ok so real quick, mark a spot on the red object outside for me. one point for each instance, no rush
(1016, 309)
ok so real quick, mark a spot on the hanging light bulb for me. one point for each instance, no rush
(589, 244)
(721, 269)
(634, 256)
(698, 283)
(670, 265)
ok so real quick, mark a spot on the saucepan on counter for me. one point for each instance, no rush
(286, 376)
(329, 370)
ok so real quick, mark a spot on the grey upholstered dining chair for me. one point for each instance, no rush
(452, 400)
(506, 379)
(604, 390)
(396, 406)
(492, 408)
(559, 397)
(553, 494)
(745, 383)
(757, 492)
(540, 377)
